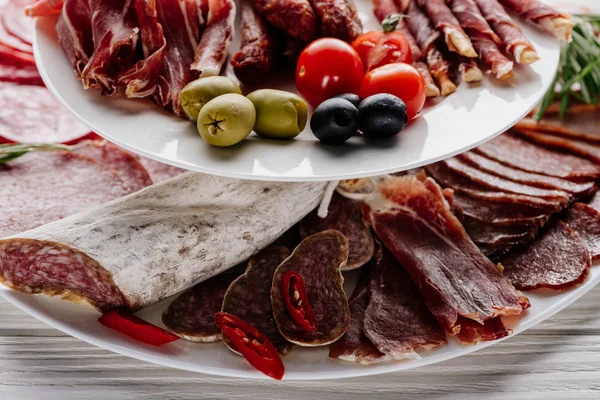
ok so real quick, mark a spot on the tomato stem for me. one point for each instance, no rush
(391, 21)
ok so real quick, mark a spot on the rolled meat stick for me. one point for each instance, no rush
(544, 15)
(514, 41)
(469, 70)
(384, 9)
(294, 17)
(443, 19)
(257, 54)
(428, 40)
(338, 19)
(139, 249)
(484, 39)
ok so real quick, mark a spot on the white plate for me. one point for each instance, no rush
(464, 120)
(301, 364)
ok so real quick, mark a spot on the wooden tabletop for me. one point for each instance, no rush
(559, 359)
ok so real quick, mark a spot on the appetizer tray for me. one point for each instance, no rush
(307, 364)
(449, 126)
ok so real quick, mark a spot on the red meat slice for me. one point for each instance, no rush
(584, 125)
(159, 171)
(44, 8)
(472, 332)
(24, 74)
(74, 29)
(585, 220)
(11, 41)
(30, 114)
(8, 55)
(581, 148)
(492, 235)
(16, 22)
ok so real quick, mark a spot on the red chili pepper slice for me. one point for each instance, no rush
(296, 301)
(253, 345)
(136, 328)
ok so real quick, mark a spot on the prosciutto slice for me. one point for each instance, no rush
(520, 154)
(212, 50)
(485, 41)
(514, 41)
(415, 223)
(582, 148)
(585, 220)
(544, 15)
(74, 29)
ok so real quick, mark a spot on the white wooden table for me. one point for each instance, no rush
(559, 359)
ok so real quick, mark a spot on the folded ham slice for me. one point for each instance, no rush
(544, 15)
(74, 29)
(415, 223)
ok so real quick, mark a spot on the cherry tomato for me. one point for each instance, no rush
(400, 79)
(328, 67)
(377, 48)
(365, 43)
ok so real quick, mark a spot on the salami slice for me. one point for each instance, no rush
(30, 114)
(159, 171)
(585, 220)
(582, 148)
(318, 260)
(39, 188)
(491, 235)
(120, 161)
(156, 242)
(558, 260)
(584, 125)
(397, 320)
(345, 216)
(20, 73)
(16, 22)
(10, 55)
(191, 316)
(249, 297)
(355, 346)
(8, 39)
(518, 153)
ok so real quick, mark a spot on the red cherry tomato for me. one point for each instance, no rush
(328, 67)
(365, 43)
(401, 80)
(377, 48)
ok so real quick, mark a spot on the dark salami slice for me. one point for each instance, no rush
(516, 152)
(584, 125)
(30, 114)
(528, 178)
(159, 171)
(249, 297)
(39, 188)
(397, 320)
(492, 235)
(120, 161)
(582, 148)
(345, 216)
(16, 22)
(191, 316)
(557, 260)
(355, 346)
(318, 260)
(20, 73)
(585, 220)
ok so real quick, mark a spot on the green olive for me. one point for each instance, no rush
(199, 92)
(279, 114)
(226, 120)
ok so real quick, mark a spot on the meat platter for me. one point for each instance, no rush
(446, 127)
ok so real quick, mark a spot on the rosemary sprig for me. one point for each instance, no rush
(9, 152)
(578, 75)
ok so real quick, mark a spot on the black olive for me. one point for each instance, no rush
(382, 116)
(351, 97)
(334, 121)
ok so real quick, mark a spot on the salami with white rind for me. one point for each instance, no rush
(158, 241)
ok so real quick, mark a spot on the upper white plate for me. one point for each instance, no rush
(464, 120)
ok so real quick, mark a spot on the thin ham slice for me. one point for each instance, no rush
(518, 153)
(544, 15)
(582, 148)
(415, 223)
(74, 29)
(558, 260)
(585, 220)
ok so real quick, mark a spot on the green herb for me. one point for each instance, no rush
(9, 152)
(578, 75)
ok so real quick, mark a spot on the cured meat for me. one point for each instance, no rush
(159, 171)
(30, 114)
(74, 29)
(483, 233)
(444, 20)
(121, 162)
(344, 215)
(39, 188)
(11, 56)
(514, 40)
(338, 19)
(257, 55)
(415, 223)
(44, 8)
(9, 40)
(583, 189)
(445, 177)
(472, 332)
(585, 220)
(583, 125)
(469, 70)
(518, 153)
(544, 15)
(397, 320)
(249, 297)
(216, 38)
(428, 40)
(558, 260)
(485, 41)
(494, 182)
(318, 260)
(191, 316)
(581, 148)
(24, 74)
(355, 346)
(595, 202)
(154, 243)
(279, 13)
(16, 23)
(385, 8)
